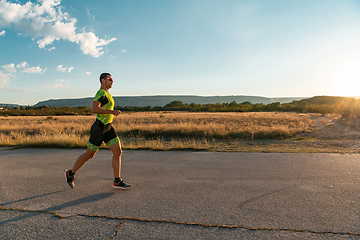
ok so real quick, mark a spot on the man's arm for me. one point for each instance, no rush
(95, 108)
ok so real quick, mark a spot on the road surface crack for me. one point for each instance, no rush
(117, 228)
(125, 219)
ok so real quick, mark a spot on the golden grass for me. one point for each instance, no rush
(213, 125)
(157, 130)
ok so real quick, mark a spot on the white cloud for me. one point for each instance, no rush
(2, 33)
(26, 69)
(22, 65)
(34, 70)
(51, 49)
(123, 50)
(60, 68)
(10, 68)
(74, 91)
(4, 79)
(88, 13)
(55, 86)
(91, 44)
(15, 90)
(61, 80)
(46, 22)
(88, 73)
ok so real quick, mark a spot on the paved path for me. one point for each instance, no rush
(180, 195)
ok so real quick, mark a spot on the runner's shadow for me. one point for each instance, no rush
(29, 198)
(88, 199)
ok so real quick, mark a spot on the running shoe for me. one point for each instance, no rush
(69, 180)
(121, 185)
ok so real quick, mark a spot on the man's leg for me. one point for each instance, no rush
(82, 159)
(93, 146)
(116, 164)
(116, 159)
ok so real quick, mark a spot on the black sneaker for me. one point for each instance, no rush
(121, 185)
(69, 180)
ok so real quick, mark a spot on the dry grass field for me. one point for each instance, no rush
(260, 131)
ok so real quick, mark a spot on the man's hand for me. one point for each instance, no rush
(116, 112)
(95, 108)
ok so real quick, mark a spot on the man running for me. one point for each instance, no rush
(102, 131)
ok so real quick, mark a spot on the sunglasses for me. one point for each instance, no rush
(110, 79)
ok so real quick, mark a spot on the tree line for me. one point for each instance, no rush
(347, 107)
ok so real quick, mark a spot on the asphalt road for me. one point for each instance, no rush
(180, 195)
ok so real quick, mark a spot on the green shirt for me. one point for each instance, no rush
(107, 102)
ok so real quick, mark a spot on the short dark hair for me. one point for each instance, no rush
(104, 75)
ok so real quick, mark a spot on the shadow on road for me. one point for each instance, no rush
(29, 198)
(88, 199)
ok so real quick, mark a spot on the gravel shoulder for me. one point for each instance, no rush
(333, 134)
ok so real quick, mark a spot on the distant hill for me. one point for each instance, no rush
(9, 105)
(154, 101)
(330, 100)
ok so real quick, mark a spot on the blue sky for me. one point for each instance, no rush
(54, 49)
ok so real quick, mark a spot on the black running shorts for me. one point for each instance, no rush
(102, 133)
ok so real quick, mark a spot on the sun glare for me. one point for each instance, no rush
(347, 81)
